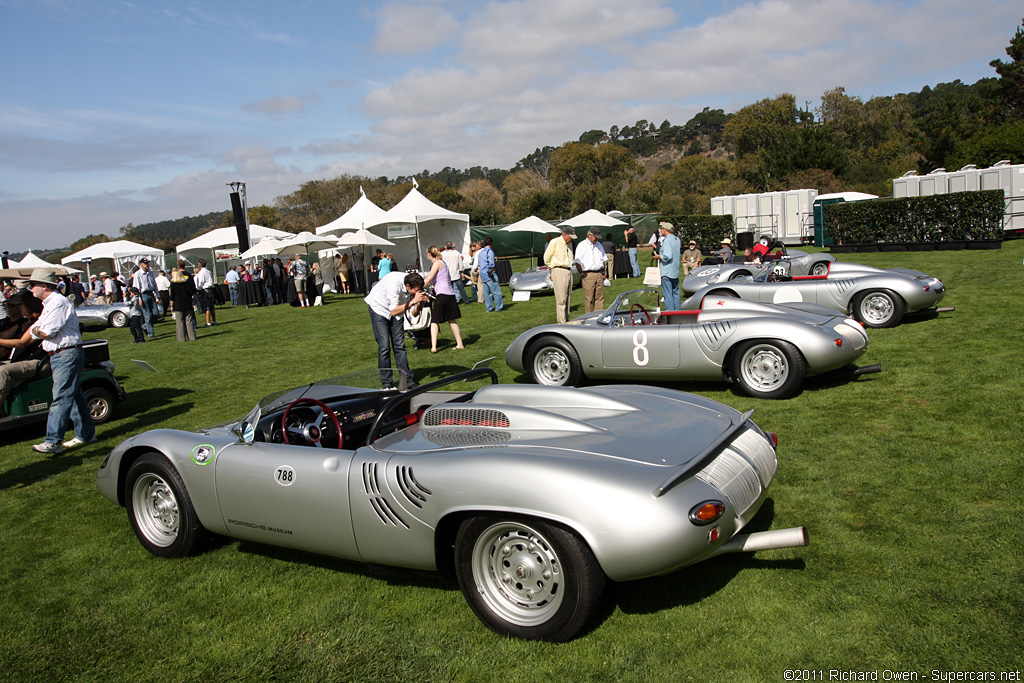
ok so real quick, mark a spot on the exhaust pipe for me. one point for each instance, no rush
(868, 369)
(764, 540)
(945, 309)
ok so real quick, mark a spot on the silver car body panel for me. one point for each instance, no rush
(607, 462)
(699, 348)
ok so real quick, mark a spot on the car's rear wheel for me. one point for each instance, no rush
(527, 578)
(820, 268)
(160, 510)
(879, 308)
(768, 369)
(738, 274)
(554, 362)
(101, 404)
(118, 319)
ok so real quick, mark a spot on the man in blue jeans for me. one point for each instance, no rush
(389, 300)
(668, 261)
(489, 277)
(58, 328)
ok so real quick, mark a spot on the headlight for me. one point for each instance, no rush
(713, 279)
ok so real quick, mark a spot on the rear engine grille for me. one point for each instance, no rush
(742, 470)
(465, 437)
(465, 417)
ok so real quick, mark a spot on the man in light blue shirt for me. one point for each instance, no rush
(232, 279)
(489, 277)
(668, 260)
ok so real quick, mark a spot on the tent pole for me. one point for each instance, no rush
(419, 247)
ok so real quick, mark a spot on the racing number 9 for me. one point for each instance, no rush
(641, 356)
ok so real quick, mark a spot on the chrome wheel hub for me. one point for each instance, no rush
(764, 368)
(517, 573)
(156, 510)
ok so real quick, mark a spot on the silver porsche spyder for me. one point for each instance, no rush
(533, 497)
(874, 296)
(537, 279)
(801, 263)
(765, 350)
(106, 315)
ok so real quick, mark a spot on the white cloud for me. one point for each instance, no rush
(408, 29)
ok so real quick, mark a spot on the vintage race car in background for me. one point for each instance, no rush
(765, 350)
(533, 497)
(874, 296)
(801, 263)
(107, 315)
(537, 279)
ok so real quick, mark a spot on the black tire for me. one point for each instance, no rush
(101, 404)
(767, 369)
(738, 274)
(554, 362)
(118, 319)
(160, 510)
(820, 268)
(527, 578)
(879, 308)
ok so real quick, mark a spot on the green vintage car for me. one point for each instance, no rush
(30, 402)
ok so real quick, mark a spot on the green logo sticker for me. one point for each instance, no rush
(203, 454)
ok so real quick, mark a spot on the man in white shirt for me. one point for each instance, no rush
(590, 258)
(163, 288)
(203, 279)
(57, 327)
(389, 299)
(453, 259)
(144, 281)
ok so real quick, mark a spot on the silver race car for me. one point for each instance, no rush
(801, 263)
(874, 296)
(537, 279)
(533, 497)
(107, 315)
(765, 350)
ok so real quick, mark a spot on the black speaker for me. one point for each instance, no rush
(744, 241)
(240, 226)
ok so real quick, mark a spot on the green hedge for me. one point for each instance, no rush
(706, 230)
(935, 218)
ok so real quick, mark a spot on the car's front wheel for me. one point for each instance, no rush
(820, 268)
(527, 578)
(554, 362)
(118, 319)
(768, 369)
(101, 404)
(160, 510)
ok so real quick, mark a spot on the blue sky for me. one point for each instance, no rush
(114, 112)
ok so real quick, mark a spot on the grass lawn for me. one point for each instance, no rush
(909, 481)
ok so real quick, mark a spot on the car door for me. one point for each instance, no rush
(287, 495)
(639, 351)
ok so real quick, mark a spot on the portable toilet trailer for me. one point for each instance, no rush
(907, 185)
(1010, 179)
(964, 180)
(723, 206)
(821, 238)
(936, 182)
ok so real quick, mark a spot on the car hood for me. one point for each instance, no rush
(625, 422)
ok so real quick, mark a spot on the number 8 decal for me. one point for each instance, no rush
(640, 353)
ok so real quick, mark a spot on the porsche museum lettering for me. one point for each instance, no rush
(261, 527)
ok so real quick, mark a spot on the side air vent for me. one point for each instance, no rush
(380, 505)
(414, 492)
(464, 417)
(714, 333)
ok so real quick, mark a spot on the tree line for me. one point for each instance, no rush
(842, 143)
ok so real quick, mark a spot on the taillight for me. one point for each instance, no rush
(839, 342)
(775, 439)
(706, 512)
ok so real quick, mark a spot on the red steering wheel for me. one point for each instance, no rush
(632, 318)
(311, 432)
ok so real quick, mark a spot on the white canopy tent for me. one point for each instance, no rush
(223, 238)
(363, 213)
(592, 218)
(416, 222)
(121, 255)
(33, 261)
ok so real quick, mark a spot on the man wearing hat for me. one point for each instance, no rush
(559, 258)
(691, 258)
(668, 263)
(590, 258)
(144, 281)
(19, 362)
(57, 327)
(725, 253)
